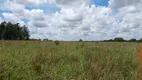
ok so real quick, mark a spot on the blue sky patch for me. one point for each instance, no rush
(47, 8)
(4, 11)
(100, 2)
(25, 20)
(107, 28)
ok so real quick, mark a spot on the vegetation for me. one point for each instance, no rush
(9, 31)
(44, 60)
(80, 40)
(57, 42)
(133, 40)
(140, 40)
(41, 60)
(119, 39)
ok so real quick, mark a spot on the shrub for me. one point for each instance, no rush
(57, 42)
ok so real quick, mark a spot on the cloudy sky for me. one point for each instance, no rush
(76, 19)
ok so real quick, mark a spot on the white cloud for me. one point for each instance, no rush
(18, 10)
(75, 23)
(77, 19)
(129, 16)
(37, 15)
(9, 17)
(131, 24)
(69, 22)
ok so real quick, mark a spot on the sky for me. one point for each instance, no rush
(76, 19)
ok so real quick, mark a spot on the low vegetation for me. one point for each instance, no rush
(57, 42)
(36, 60)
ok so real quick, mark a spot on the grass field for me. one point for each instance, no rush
(35, 60)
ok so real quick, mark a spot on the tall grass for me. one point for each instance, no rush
(35, 60)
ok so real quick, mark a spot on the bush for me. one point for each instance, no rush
(57, 42)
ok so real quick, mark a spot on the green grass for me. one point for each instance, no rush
(35, 60)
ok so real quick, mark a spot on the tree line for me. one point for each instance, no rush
(119, 39)
(9, 31)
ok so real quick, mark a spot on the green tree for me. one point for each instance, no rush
(119, 39)
(25, 33)
(9, 31)
(2, 29)
(140, 40)
(80, 40)
(132, 40)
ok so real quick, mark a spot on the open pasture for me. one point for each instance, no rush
(37, 60)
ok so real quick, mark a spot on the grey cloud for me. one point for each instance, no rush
(37, 15)
(70, 3)
(9, 17)
(38, 24)
(73, 18)
(116, 4)
(30, 2)
(60, 3)
(66, 2)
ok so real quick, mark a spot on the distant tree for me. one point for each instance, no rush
(119, 39)
(132, 40)
(140, 40)
(45, 40)
(80, 40)
(111, 40)
(34, 39)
